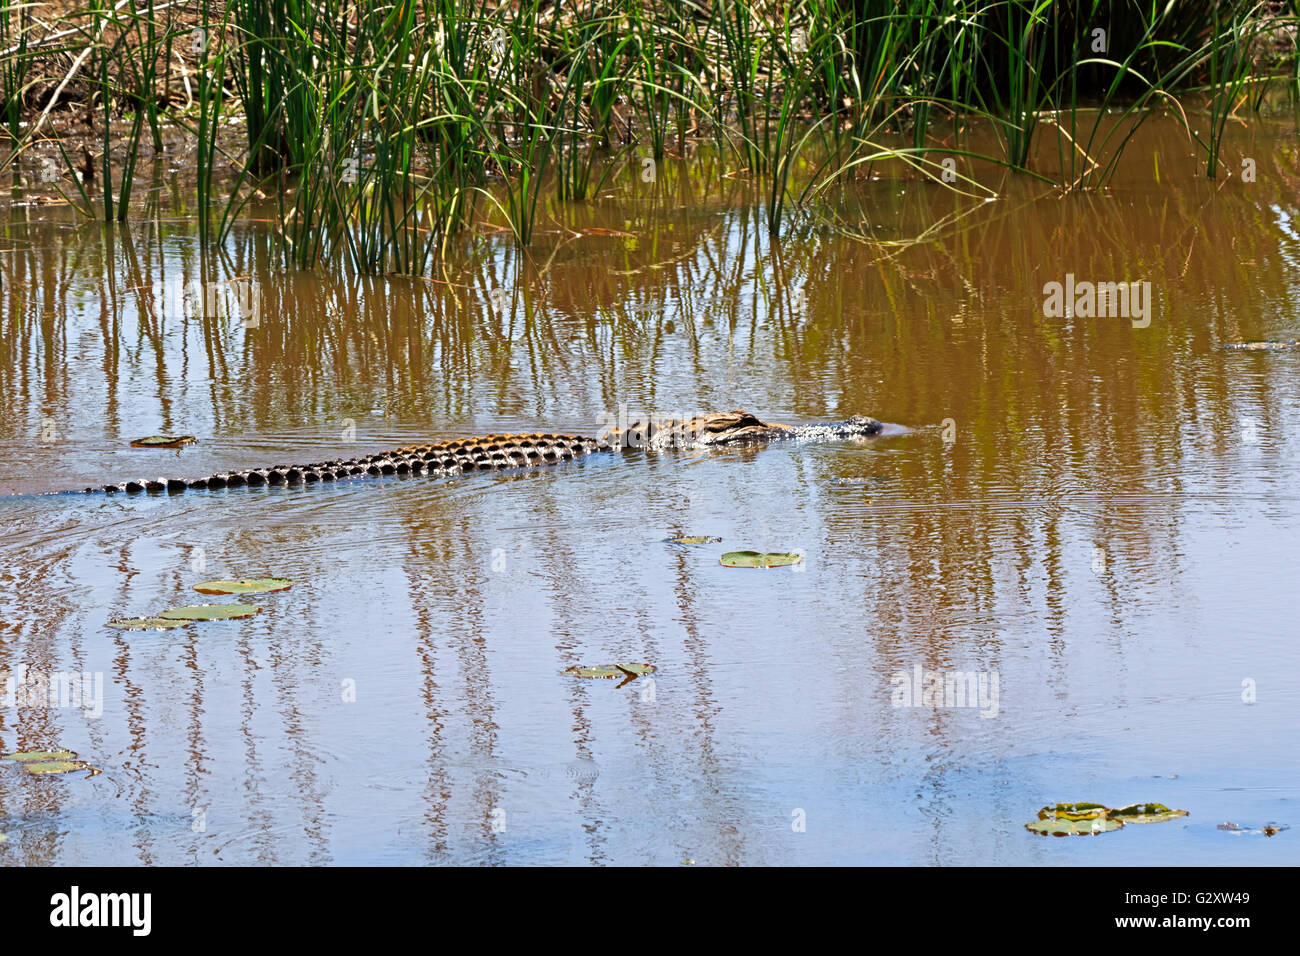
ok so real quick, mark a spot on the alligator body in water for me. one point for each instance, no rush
(493, 452)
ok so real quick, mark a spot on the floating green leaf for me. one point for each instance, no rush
(1062, 827)
(52, 767)
(244, 586)
(1081, 819)
(211, 612)
(148, 624)
(39, 756)
(757, 559)
(163, 441)
(611, 671)
(1073, 811)
(1145, 813)
(43, 763)
(693, 539)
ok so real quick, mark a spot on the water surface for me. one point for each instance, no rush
(1101, 516)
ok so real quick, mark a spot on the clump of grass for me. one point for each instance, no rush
(15, 62)
(387, 130)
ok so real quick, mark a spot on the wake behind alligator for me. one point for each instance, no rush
(499, 452)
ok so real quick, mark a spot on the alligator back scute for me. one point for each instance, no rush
(734, 427)
(482, 453)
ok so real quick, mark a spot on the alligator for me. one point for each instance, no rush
(499, 452)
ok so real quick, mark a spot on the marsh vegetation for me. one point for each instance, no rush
(384, 132)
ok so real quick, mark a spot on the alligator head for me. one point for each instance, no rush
(859, 426)
(732, 428)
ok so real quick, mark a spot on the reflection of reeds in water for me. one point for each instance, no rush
(605, 281)
(1054, 418)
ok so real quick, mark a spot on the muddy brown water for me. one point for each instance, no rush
(1094, 519)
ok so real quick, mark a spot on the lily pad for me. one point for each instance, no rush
(46, 768)
(611, 671)
(39, 756)
(757, 559)
(244, 586)
(147, 624)
(1073, 811)
(1062, 827)
(1084, 819)
(44, 763)
(211, 612)
(163, 441)
(1145, 813)
(693, 539)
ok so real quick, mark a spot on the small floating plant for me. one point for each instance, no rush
(1266, 345)
(758, 559)
(628, 672)
(1268, 829)
(211, 612)
(163, 441)
(187, 615)
(244, 586)
(611, 671)
(148, 624)
(1090, 819)
(45, 763)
